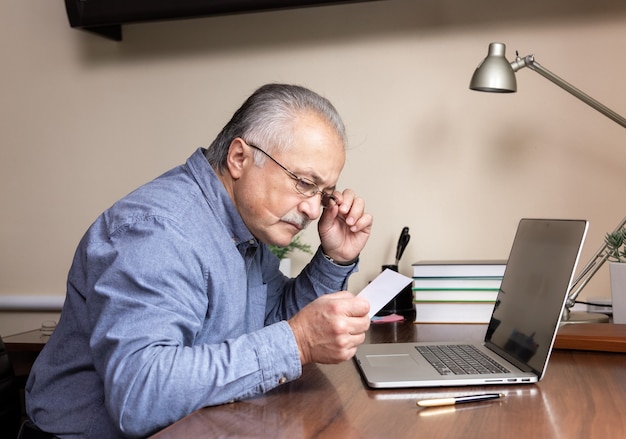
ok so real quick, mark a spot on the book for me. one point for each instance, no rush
(455, 296)
(453, 312)
(457, 283)
(456, 291)
(459, 268)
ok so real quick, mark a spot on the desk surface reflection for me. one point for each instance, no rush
(582, 396)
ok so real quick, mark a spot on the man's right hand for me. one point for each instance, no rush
(329, 329)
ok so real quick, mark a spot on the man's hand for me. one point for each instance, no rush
(345, 227)
(329, 329)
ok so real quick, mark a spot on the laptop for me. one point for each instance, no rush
(521, 332)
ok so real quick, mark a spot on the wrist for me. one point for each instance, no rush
(340, 263)
(300, 340)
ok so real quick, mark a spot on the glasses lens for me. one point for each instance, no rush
(306, 187)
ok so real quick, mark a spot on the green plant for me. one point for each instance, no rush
(616, 245)
(295, 244)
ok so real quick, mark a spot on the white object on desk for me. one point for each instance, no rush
(381, 290)
(617, 272)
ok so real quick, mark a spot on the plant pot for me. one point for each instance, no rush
(617, 271)
(285, 267)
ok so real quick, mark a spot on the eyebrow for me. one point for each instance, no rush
(315, 178)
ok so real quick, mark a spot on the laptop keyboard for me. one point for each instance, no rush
(459, 360)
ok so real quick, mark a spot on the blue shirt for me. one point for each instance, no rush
(171, 305)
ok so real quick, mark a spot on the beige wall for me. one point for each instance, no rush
(85, 120)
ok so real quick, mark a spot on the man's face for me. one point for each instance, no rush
(266, 196)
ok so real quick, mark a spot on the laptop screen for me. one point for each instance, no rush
(533, 290)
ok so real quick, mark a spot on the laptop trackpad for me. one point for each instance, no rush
(391, 360)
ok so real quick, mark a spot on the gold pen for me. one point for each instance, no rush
(458, 400)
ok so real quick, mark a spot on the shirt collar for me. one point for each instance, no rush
(218, 199)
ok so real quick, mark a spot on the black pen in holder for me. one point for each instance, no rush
(402, 304)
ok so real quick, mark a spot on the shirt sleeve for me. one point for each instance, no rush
(147, 312)
(287, 296)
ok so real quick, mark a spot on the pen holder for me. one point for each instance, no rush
(402, 304)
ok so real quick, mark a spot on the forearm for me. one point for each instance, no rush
(162, 382)
(319, 277)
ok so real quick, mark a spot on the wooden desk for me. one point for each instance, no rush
(583, 395)
(23, 349)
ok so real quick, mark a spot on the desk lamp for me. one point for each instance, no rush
(588, 271)
(495, 74)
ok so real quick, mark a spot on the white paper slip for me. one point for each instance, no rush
(384, 288)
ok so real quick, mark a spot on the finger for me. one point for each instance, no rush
(360, 328)
(356, 211)
(359, 307)
(347, 195)
(329, 214)
(364, 223)
(345, 200)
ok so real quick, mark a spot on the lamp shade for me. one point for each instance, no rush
(494, 74)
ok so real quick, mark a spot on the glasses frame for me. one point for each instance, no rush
(326, 198)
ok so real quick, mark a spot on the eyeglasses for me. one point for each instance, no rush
(303, 185)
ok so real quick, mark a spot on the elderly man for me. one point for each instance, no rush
(174, 301)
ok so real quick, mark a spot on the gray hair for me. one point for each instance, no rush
(266, 120)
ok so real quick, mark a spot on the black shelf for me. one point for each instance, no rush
(106, 17)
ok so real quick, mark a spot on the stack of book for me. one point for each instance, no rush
(456, 291)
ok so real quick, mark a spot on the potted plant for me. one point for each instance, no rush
(616, 255)
(282, 253)
(616, 245)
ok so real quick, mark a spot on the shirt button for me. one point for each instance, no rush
(282, 380)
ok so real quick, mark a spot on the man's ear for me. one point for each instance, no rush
(238, 158)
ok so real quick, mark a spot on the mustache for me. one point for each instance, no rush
(298, 220)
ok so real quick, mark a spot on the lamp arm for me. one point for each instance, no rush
(529, 61)
(589, 270)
